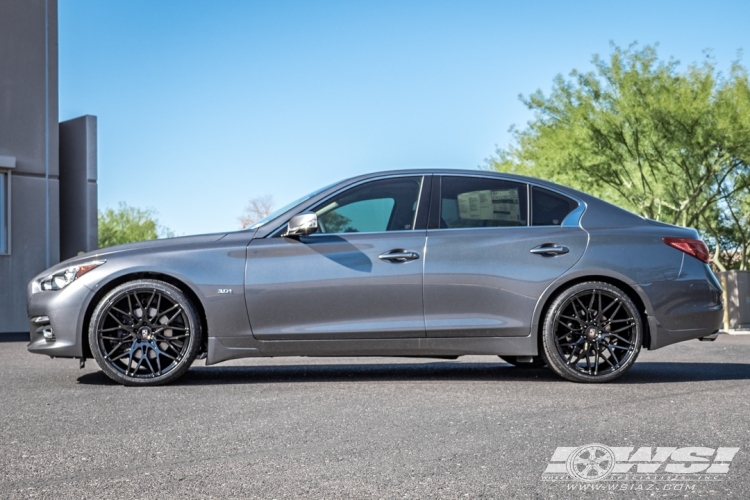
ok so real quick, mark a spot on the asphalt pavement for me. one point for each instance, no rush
(368, 428)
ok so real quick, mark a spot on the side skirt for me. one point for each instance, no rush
(226, 348)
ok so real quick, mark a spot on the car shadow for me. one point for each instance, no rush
(340, 251)
(666, 372)
(641, 373)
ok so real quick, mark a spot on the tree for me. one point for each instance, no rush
(728, 225)
(129, 224)
(256, 210)
(672, 146)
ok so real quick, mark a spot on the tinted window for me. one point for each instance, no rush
(548, 208)
(481, 202)
(3, 217)
(383, 205)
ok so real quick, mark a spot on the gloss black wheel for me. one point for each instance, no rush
(592, 333)
(144, 332)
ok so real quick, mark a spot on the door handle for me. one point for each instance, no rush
(398, 255)
(549, 249)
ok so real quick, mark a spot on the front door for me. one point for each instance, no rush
(358, 277)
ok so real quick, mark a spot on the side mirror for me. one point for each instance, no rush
(302, 225)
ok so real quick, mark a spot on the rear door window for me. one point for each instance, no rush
(548, 208)
(467, 202)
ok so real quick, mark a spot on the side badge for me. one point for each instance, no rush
(223, 291)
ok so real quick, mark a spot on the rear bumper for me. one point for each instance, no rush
(687, 308)
(661, 336)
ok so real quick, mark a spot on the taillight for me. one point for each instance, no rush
(690, 246)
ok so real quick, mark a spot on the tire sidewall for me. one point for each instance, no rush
(549, 347)
(174, 294)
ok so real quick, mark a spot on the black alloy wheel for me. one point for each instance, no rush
(144, 332)
(592, 332)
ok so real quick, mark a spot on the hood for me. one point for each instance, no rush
(102, 253)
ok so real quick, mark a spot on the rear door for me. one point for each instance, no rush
(487, 261)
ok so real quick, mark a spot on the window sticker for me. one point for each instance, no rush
(500, 204)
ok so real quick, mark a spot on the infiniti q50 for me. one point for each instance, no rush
(424, 263)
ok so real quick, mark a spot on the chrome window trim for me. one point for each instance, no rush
(528, 204)
(422, 176)
(357, 233)
(489, 228)
(573, 219)
(416, 208)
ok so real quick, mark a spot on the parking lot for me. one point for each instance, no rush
(362, 428)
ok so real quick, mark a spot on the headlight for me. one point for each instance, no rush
(65, 277)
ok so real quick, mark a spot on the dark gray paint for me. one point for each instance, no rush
(202, 263)
(78, 189)
(322, 282)
(488, 294)
(479, 281)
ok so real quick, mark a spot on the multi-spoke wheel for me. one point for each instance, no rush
(144, 332)
(592, 333)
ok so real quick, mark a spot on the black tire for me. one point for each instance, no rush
(536, 362)
(139, 349)
(592, 332)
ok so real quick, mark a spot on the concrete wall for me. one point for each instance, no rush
(28, 133)
(736, 286)
(78, 190)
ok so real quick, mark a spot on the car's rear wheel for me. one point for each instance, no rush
(592, 333)
(144, 332)
(536, 361)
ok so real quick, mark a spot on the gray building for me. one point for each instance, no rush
(48, 202)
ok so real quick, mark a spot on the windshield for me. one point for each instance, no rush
(288, 206)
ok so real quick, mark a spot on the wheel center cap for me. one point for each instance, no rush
(592, 332)
(143, 333)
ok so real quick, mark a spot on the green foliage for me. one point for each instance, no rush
(672, 146)
(127, 225)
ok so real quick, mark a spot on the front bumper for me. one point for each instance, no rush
(65, 310)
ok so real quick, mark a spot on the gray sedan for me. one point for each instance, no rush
(423, 263)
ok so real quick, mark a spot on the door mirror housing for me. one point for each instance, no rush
(301, 225)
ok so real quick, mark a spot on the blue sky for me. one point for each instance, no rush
(205, 104)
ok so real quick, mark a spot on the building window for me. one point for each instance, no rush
(4, 213)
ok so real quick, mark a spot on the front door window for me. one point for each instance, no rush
(377, 206)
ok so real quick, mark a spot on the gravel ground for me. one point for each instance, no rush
(362, 427)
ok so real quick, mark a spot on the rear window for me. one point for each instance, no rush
(548, 208)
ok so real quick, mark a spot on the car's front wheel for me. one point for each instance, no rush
(592, 333)
(144, 332)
